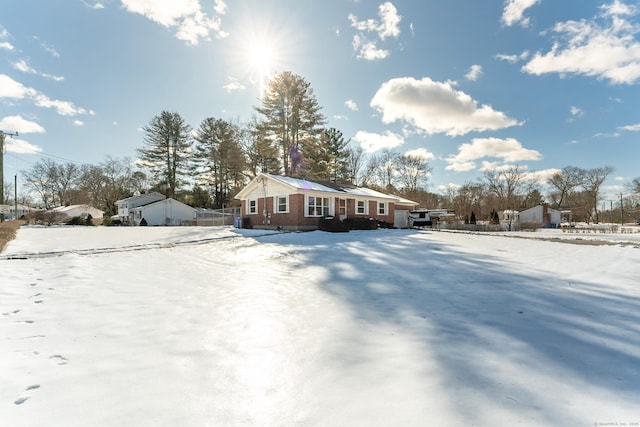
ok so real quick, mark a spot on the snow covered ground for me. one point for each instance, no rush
(161, 326)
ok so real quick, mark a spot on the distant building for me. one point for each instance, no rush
(541, 216)
(162, 212)
(82, 211)
(9, 211)
(125, 205)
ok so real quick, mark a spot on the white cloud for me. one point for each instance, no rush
(20, 146)
(421, 153)
(10, 88)
(387, 26)
(607, 50)
(64, 108)
(451, 186)
(630, 128)
(509, 150)
(371, 52)
(389, 21)
(185, 16)
(78, 123)
(5, 45)
(96, 5)
(435, 107)
(475, 71)
(20, 125)
(372, 142)
(26, 68)
(513, 12)
(351, 104)
(220, 7)
(51, 50)
(233, 85)
(541, 176)
(576, 112)
(513, 58)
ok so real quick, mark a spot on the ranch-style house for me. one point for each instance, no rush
(273, 201)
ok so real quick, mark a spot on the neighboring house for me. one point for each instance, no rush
(271, 201)
(82, 211)
(541, 216)
(125, 205)
(9, 211)
(162, 212)
(509, 220)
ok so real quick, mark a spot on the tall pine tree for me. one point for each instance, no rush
(290, 119)
(219, 158)
(167, 149)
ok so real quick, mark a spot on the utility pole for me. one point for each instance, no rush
(15, 196)
(621, 212)
(3, 134)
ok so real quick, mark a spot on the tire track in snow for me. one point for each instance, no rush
(130, 248)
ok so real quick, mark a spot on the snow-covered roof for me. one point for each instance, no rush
(153, 195)
(150, 204)
(325, 187)
(70, 208)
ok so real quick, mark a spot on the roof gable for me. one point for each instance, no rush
(296, 185)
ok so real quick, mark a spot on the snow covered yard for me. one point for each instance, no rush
(215, 326)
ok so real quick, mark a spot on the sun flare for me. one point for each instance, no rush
(260, 56)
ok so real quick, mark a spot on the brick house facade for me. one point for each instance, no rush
(272, 201)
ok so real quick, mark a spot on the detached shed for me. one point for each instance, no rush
(541, 216)
(163, 212)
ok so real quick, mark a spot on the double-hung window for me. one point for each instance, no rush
(317, 206)
(252, 207)
(362, 207)
(382, 208)
(282, 204)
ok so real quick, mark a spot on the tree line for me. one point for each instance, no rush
(206, 166)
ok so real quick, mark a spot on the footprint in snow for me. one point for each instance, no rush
(60, 360)
(22, 399)
(38, 301)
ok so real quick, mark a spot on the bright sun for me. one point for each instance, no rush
(261, 60)
(260, 56)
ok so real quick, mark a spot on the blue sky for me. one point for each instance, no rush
(469, 84)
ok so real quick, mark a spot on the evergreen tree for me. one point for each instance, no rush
(328, 159)
(167, 149)
(291, 119)
(219, 158)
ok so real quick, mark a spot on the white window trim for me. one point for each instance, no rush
(366, 207)
(249, 207)
(306, 205)
(276, 204)
(385, 207)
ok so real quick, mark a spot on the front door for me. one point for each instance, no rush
(342, 208)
